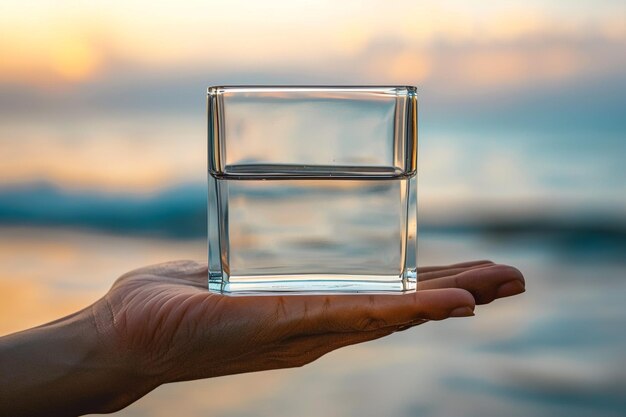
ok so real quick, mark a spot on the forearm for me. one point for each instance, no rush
(65, 368)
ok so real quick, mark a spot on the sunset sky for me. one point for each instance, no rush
(54, 44)
(518, 100)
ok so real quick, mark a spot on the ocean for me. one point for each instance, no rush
(556, 350)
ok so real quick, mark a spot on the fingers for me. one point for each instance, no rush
(195, 272)
(349, 313)
(453, 266)
(452, 270)
(485, 283)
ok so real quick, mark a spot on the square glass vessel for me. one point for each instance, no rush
(312, 189)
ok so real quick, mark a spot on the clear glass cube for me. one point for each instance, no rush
(312, 189)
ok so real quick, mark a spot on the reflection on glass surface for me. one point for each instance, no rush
(312, 189)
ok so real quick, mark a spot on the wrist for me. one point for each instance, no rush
(67, 367)
(122, 367)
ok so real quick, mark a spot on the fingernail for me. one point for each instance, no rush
(462, 312)
(510, 288)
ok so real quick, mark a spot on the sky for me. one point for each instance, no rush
(520, 102)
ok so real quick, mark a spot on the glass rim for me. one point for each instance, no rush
(254, 88)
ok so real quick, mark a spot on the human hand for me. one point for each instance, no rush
(170, 328)
(160, 324)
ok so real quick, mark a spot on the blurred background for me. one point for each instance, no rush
(522, 160)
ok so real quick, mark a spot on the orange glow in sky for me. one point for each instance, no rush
(54, 48)
(53, 42)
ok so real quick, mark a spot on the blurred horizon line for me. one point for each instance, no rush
(179, 212)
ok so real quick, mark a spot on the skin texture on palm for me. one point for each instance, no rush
(159, 324)
(164, 316)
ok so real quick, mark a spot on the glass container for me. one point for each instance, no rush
(312, 189)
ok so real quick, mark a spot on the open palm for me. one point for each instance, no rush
(173, 329)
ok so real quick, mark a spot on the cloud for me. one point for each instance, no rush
(68, 45)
